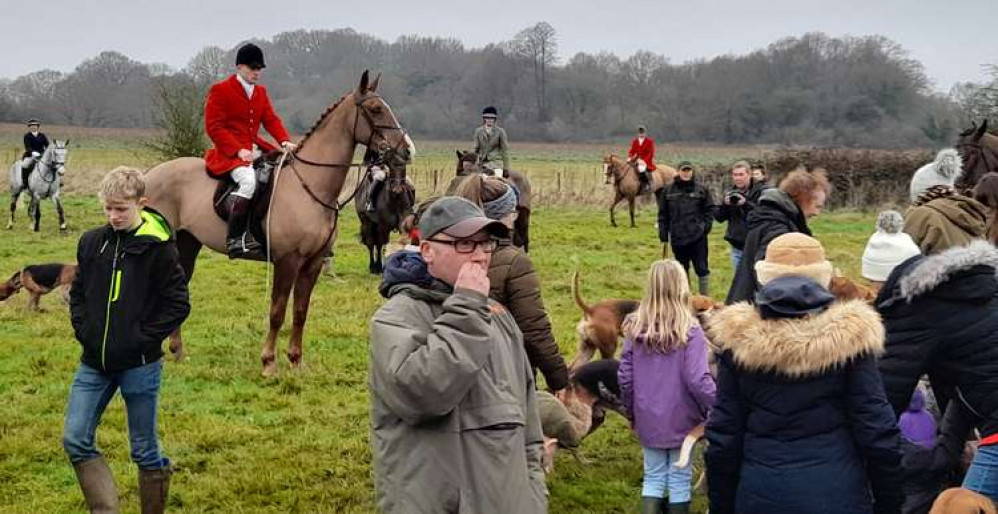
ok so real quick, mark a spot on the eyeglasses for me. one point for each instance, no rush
(468, 245)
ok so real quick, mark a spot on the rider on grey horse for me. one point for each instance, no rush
(491, 143)
(35, 144)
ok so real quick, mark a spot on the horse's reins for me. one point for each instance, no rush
(50, 166)
(376, 130)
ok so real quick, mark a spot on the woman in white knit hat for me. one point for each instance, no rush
(887, 247)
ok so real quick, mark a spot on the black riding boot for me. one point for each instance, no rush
(25, 173)
(239, 241)
(645, 185)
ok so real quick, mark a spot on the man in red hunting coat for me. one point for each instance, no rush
(642, 154)
(233, 113)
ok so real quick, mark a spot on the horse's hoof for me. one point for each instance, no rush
(270, 369)
(178, 354)
(63, 227)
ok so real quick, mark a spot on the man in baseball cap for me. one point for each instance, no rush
(450, 384)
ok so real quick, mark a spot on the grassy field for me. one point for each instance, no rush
(561, 174)
(299, 443)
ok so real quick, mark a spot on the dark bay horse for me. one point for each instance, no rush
(467, 163)
(394, 202)
(627, 184)
(979, 152)
(302, 223)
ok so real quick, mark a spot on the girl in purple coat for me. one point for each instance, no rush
(665, 385)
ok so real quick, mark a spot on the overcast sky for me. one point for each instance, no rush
(952, 38)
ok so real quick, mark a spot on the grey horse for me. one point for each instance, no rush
(44, 182)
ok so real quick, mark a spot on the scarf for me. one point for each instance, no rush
(501, 206)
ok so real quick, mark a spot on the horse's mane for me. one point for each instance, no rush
(322, 117)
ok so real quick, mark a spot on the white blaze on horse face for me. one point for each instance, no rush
(405, 135)
(412, 146)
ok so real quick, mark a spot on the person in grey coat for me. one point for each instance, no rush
(491, 143)
(454, 420)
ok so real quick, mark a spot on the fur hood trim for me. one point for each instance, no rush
(798, 347)
(937, 269)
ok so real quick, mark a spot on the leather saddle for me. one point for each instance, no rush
(264, 168)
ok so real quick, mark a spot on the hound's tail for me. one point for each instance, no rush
(578, 296)
(686, 450)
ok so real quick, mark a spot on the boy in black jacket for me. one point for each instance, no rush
(128, 295)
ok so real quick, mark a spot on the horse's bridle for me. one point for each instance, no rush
(376, 131)
(382, 155)
(615, 169)
(990, 161)
(52, 166)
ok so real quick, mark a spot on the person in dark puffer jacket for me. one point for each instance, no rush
(800, 196)
(941, 316)
(685, 216)
(514, 282)
(801, 422)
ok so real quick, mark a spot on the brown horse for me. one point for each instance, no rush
(627, 183)
(979, 151)
(394, 202)
(302, 223)
(467, 163)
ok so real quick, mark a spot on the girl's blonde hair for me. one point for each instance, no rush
(664, 317)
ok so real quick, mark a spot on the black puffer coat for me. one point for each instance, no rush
(941, 316)
(776, 214)
(801, 423)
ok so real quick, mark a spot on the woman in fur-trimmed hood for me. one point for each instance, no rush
(941, 316)
(801, 422)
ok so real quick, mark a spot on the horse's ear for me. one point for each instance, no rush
(363, 86)
(66, 143)
(983, 129)
(459, 153)
(374, 85)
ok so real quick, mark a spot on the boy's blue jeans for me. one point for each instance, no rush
(982, 477)
(89, 396)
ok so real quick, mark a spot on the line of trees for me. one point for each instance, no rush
(813, 89)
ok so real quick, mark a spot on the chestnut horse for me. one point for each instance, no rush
(979, 152)
(627, 184)
(302, 223)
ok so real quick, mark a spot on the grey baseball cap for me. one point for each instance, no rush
(457, 217)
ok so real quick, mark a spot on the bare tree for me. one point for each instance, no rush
(179, 113)
(537, 45)
(209, 64)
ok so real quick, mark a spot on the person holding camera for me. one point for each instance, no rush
(735, 206)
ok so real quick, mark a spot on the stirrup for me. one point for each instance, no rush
(242, 245)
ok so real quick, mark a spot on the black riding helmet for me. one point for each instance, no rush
(250, 55)
(490, 112)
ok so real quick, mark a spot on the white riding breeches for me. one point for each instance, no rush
(27, 161)
(245, 178)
